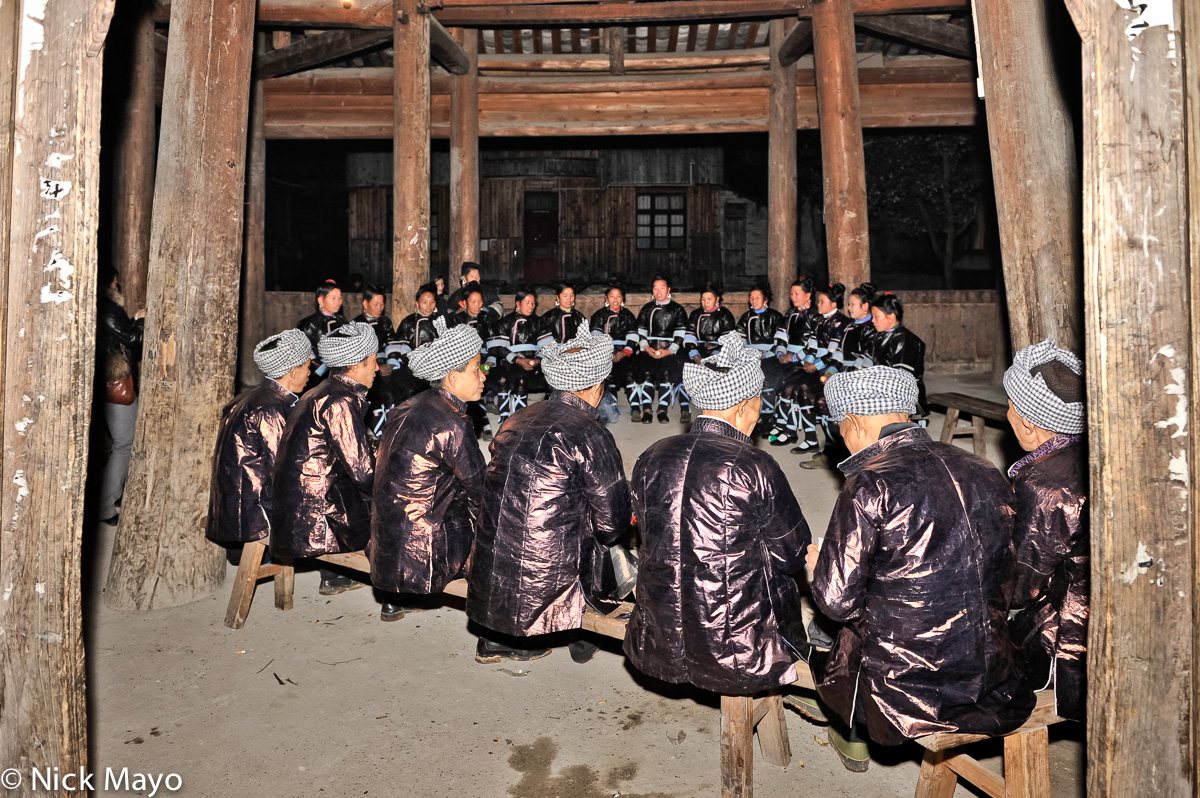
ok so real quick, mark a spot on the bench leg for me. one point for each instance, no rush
(1027, 764)
(243, 584)
(737, 746)
(772, 733)
(948, 425)
(977, 433)
(285, 585)
(937, 780)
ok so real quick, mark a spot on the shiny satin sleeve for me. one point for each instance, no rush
(843, 567)
(1044, 520)
(352, 448)
(784, 529)
(607, 489)
(468, 465)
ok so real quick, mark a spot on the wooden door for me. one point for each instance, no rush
(541, 237)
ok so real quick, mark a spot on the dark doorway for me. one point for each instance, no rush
(541, 237)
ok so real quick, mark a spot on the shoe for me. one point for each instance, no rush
(805, 704)
(487, 651)
(783, 438)
(817, 462)
(647, 417)
(805, 446)
(582, 650)
(685, 416)
(486, 435)
(393, 612)
(635, 414)
(856, 757)
(338, 584)
(663, 418)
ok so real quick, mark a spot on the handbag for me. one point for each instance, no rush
(120, 392)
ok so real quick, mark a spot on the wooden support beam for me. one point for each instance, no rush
(254, 249)
(798, 42)
(647, 62)
(737, 746)
(781, 174)
(1142, 357)
(134, 153)
(1032, 144)
(843, 167)
(53, 62)
(464, 164)
(1191, 58)
(448, 52)
(616, 51)
(411, 108)
(161, 557)
(315, 51)
(924, 32)
(280, 39)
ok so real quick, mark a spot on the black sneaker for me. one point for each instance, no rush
(647, 417)
(394, 612)
(663, 418)
(783, 438)
(487, 651)
(338, 584)
(685, 416)
(582, 650)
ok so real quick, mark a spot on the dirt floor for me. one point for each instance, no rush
(327, 700)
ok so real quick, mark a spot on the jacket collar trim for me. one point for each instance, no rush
(457, 403)
(575, 402)
(351, 383)
(857, 462)
(716, 426)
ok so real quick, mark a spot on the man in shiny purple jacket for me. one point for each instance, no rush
(917, 567)
(722, 534)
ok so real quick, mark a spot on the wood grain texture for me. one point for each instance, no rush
(737, 747)
(772, 730)
(134, 155)
(411, 109)
(254, 248)
(928, 33)
(1026, 766)
(1032, 144)
(1141, 360)
(936, 779)
(51, 179)
(798, 42)
(161, 557)
(9, 26)
(781, 170)
(1191, 22)
(464, 164)
(844, 171)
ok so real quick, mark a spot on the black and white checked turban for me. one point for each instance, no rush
(580, 363)
(281, 353)
(738, 375)
(348, 344)
(874, 391)
(1033, 399)
(451, 350)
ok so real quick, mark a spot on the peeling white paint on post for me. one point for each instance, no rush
(33, 36)
(1151, 14)
(1142, 563)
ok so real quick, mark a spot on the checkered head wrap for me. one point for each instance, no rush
(1045, 385)
(451, 350)
(732, 375)
(348, 345)
(874, 391)
(580, 363)
(281, 353)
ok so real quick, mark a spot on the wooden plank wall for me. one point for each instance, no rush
(963, 330)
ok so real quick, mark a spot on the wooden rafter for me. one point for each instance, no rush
(798, 42)
(318, 50)
(925, 32)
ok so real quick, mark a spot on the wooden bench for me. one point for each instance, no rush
(979, 409)
(1026, 759)
(741, 716)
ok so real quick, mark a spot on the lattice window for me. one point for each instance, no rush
(661, 221)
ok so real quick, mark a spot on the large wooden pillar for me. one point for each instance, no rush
(254, 254)
(1142, 344)
(781, 177)
(843, 170)
(133, 158)
(410, 244)
(1033, 165)
(464, 157)
(161, 557)
(50, 142)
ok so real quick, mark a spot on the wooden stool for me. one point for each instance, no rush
(1026, 760)
(978, 409)
(250, 570)
(741, 716)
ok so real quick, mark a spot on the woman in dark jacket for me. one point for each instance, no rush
(384, 395)
(706, 325)
(414, 330)
(758, 327)
(662, 324)
(1050, 537)
(795, 331)
(562, 321)
(474, 314)
(515, 347)
(721, 536)
(327, 319)
(896, 345)
(120, 341)
(618, 322)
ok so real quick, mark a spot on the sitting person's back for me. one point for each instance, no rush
(917, 564)
(721, 534)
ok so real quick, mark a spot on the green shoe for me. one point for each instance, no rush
(805, 704)
(818, 461)
(855, 756)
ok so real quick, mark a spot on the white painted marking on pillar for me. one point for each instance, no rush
(1178, 468)
(50, 637)
(23, 425)
(39, 588)
(8, 591)
(42, 234)
(55, 189)
(22, 485)
(56, 160)
(32, 36)
(64, 268)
